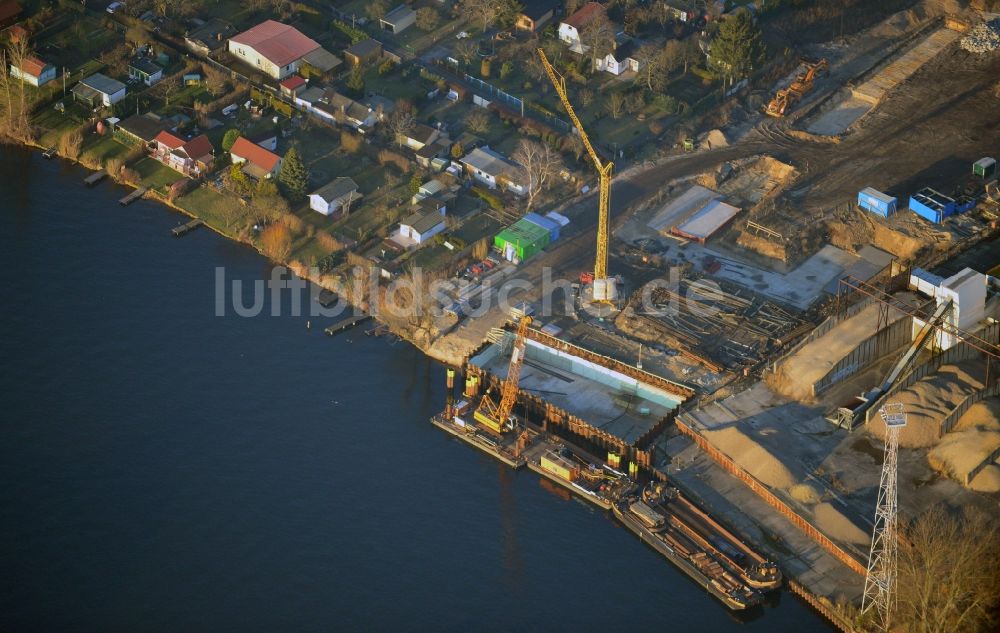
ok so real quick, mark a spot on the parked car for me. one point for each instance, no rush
(114, 6)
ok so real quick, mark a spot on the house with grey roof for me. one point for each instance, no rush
(98, 90)
(494, 170)
(399, 19)
(335, 197)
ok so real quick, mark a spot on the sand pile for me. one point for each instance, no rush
(796, 376)
(988, 479)
(838, 527)
(975, 438)
(804, 493)
(930, 399)
(753, 457)
(714, 138)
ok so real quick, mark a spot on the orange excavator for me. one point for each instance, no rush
(788, 97)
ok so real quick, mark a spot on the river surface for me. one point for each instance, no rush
(166, 469)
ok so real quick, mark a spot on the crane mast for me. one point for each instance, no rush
(604, 289)
(495, 416)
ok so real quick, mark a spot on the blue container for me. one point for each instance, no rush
(932, 205)
(877, 202)
(548, 224)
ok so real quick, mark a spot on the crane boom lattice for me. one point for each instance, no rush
(495, 416)
(604, 169)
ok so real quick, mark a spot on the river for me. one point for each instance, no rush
(167, 469)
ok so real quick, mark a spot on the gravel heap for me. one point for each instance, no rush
(983, 38)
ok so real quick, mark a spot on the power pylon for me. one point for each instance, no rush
(880, 581)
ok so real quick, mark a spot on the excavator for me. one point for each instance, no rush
(787, 97)
(494, 417)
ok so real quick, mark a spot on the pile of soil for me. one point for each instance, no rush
(797, 375)
(930, 399)
(838, 527)
(976, 436)
(752, 457)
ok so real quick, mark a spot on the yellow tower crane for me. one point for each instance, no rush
(496, 417)
(605, 289)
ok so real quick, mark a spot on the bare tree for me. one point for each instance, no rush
(427, 18)
(400, 122)
(466, 51)
(949, 580)
(487, 12)
(539, 163)
(16, 109)
(478, 121)
(651, 69)
(599, 35)
(615, 104)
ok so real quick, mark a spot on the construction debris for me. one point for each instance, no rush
(983, 38)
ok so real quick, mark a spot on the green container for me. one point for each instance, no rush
(523, 240)
(985, 167)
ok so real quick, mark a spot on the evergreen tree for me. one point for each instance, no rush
(739, 47)
(356, 80)
(230, 139)
(293, 176)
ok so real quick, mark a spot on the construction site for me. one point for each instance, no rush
(761, 320)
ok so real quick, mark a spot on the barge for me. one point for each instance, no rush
(708, 553)
(503, 447)
(597, 483)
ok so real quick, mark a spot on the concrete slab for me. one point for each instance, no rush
(681, 208)
(800, 287)
(838, 119)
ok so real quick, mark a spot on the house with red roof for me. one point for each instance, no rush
(274, 48)
(10, 11)
(292, 85)
(257, 161)
(191, 158)
(34, 71)
(571, 28)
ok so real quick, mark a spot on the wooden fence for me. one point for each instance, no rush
(770, 498)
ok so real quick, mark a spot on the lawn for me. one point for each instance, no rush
(53, 124)
(207, 204)
(104, 148)
(156, 175)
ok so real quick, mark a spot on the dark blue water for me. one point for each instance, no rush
(164, 469)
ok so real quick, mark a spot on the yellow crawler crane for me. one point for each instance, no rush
(605, 289)
(496, 417)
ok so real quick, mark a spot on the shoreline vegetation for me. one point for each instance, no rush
(405, 331)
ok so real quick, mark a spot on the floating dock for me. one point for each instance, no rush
(347, 323)
(95, 178)
(132, 197)
(49, 153)
(184, 229)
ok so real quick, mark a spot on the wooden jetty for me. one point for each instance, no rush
(347, 323)
(132, 197)
(185, 228)
(95, 178)
(49, 153)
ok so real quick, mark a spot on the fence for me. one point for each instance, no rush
(873, 348)
(769, 497)
(494, 92)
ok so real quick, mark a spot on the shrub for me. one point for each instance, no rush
(489, 198)
(276, 241)
(294, 223)
(389, 157)
(350, 141)
(328, 242)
